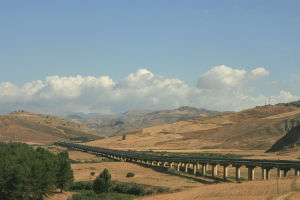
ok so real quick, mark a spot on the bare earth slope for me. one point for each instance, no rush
(23, 126)
(290, 141)
(118, 124)
(255, 129)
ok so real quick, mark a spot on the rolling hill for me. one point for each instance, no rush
(111, 125)
(257, 129)
(23, 126)
(288, 142)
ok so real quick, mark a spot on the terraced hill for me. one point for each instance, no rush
(38, 128)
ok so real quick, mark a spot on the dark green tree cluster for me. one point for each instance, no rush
(103, 182)
(29, 174)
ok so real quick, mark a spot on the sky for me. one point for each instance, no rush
(112, 56)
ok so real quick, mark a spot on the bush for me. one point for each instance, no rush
(122, 188)
(162, 190)
(149, 192)
(130, 174)
(136, 190)
(82, 186)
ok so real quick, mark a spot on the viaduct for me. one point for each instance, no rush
(195, 164)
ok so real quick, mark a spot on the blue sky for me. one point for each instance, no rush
(175, 39)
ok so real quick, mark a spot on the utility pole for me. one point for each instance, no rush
(277, 181)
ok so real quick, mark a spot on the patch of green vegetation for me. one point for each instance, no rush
(130, 174)
(241, 179)
(104, 188)
(85, 195)
(81, 139)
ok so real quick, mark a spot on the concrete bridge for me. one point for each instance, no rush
(195, 164)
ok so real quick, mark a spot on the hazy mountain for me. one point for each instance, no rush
(134, 119)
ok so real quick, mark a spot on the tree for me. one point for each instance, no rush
(64, 173)
(124, 137)
(103, 182)
(26, 173)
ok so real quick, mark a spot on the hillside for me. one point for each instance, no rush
(38, 128)
(111, 125)
(290, 141)
(256, 129)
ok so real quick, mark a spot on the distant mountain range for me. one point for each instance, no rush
(110, 125)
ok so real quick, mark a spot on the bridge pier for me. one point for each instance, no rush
(296, 172)
(172, 165)
(214, 170)
(178, 166)
(279, 173)
(285, 171)
(237, 172)
(195, 169)
(263, 173)
(165, 164)
(186, 165)
(225, 171)
(250, 173)
(203, 169)
(157, 164)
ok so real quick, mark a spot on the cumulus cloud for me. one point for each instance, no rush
(226, 78)
(257, 73)
(221, 88)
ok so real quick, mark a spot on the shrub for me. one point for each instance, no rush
(136, 190)
(162, 190)
(130, 174)
(82, 186)
(149, 192)
(122, 188)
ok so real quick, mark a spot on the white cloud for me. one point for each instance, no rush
(221, 88)
(221, 77)
(226, 78)
(257, 73)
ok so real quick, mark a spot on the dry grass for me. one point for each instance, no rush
(252, 190)
(119, 170)
(39, 128)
